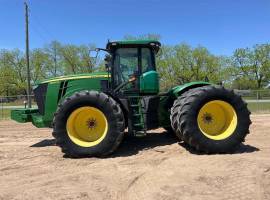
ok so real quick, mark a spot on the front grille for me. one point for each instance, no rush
(62, 90)
(40, 96)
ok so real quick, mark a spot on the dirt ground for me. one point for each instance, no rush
(155, 167)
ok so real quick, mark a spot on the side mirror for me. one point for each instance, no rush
(107, 58)
(107, 67)
(93, 54)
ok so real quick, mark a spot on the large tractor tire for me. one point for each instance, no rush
(89, 123)
(211, 119)
(174, 116)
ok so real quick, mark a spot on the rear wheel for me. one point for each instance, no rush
(217, 120)
(212, 119)
(88, 123)
(174, 116)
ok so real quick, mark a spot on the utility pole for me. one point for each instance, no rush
(54, 58)
(27, 56)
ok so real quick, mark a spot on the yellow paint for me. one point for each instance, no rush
(217, 120)
(63, 78)
(87, 126)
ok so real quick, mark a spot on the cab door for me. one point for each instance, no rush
(126, 65)
(137, 63)
(149, 80)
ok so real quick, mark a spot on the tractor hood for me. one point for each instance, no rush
(48, 93)
(75, 77)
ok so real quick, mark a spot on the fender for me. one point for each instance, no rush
(180, 89)
(167, 100)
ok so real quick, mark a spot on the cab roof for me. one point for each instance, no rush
(134, 43)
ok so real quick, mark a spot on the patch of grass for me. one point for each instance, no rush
(4, 113)
(17, 103)
(259, 107)
(252, 98)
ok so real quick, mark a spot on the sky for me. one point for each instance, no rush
(219, 25)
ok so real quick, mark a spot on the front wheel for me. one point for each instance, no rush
(88, 123)
(212, 119)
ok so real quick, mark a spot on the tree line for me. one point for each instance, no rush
(54, 59)
(247, 68)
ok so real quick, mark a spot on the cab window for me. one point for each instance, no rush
(125, 64)
(147, 60)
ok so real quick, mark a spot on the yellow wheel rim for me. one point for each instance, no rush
(217, 120)
(87, 126)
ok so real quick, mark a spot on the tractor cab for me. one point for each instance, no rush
(132, 66)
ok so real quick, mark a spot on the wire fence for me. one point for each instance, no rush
(7, 103)
(258, 102)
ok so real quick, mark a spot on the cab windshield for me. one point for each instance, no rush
(130, 61)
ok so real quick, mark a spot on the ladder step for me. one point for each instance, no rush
(134, 105)
(139, 124)
(140, 133)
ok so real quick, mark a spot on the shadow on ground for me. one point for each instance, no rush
(243, 148)
(133, 145)
(44, 143)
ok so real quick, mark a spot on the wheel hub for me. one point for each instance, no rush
(217, 120)
(207, 118)
(91, 123)
(87, 126)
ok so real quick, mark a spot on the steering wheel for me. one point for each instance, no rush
(122, 77)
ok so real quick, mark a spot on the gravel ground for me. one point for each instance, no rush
(155, 167)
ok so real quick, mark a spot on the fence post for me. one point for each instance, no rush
(2, 108)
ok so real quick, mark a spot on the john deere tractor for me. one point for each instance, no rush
(90, 112)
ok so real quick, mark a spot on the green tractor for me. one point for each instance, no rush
(90, 112)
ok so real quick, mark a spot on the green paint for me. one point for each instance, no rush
(149, 83)
(76, 76)
(23, 115)
(164, 111)
(178, 90)
(75, 84)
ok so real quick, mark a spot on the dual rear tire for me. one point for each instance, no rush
(210, 119)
